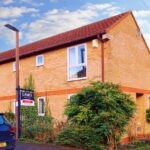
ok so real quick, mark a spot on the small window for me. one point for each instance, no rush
(148, 102)
(77, 62)
(39, 60)
(1, 119)
(14, 66)
(14, 106)
(41, 106)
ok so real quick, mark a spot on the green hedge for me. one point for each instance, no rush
(81, 137)
(40, 130)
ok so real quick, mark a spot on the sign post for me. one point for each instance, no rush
(19, 124)
(25, 98)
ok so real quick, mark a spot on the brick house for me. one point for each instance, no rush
(111, 50)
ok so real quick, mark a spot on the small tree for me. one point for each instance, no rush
(104, 107)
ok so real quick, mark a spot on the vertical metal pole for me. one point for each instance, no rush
(19, 124)
(17, 88)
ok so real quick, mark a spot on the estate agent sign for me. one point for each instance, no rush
(26, 97)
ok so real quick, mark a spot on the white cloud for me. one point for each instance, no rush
(12, 12)
(6, 2)
(33, 3)
(24, 26)
(7, 33)
(147, 38)
(141, 13)
(10, 15)
(143, 20)
(57, 20)
(53, 1)
(26, 1)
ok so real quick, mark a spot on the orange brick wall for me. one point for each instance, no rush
(50, 77)
(127, 60)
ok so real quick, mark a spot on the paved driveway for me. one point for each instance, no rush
(24, 146)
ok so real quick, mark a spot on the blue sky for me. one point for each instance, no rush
(37, 19)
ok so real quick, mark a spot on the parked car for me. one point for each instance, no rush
(7, 135)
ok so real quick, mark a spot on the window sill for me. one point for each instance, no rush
(76, 79)
(39, 65)
(41, 115)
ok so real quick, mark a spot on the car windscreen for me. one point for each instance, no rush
(5, 120)
(1, 120)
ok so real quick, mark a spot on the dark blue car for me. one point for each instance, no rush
(7, 135)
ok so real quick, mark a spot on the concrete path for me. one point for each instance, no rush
(25, 146)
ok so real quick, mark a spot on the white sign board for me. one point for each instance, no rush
(27, 97)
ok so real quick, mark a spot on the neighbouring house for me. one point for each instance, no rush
(112, 50)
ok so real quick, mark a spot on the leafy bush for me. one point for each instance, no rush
(35, 127)
(40, 130)
(137, 142)
(79, 136)
(103, 107)
(148, 115)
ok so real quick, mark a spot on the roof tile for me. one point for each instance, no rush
(71, 36)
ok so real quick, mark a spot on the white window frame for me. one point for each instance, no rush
(76, 65)
(14, 66)
(148, 102)
(14, 102)
(39, 64)
(41, 114)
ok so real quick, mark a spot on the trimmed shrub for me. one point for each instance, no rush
(41, 130)
(79, 136)
(103, 107)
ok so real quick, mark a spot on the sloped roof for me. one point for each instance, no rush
(57, 41)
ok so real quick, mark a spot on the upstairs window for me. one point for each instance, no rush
(39, 60)
(14, 66)
(41, 106)
(14, 103)
(77, 62)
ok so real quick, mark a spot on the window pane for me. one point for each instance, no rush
(40, 60)
(77, 72)
(81, 54)
(14, 66)
(1, 120)
(41, 106)
(72, 56)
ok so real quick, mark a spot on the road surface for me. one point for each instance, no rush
(25, 146)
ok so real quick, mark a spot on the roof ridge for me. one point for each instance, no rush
(67, 31)
(79, 27)
(125, 15)
(79, 34)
